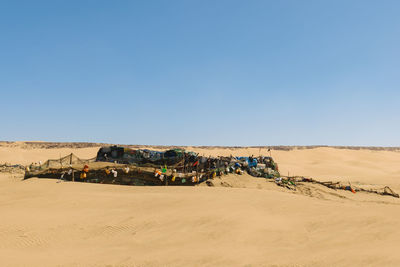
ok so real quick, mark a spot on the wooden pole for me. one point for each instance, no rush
(166, 177)
(197, 170)
(184, 163)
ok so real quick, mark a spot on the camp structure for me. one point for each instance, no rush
(120, 165)
(188, 161)
(177, 167)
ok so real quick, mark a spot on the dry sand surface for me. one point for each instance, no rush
(243, 221)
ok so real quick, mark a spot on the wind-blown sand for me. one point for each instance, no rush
(243, 221)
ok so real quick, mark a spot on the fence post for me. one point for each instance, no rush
(166, 179)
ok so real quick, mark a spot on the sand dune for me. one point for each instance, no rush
(241, 221)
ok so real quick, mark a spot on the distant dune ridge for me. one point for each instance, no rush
(49, 145)
(240, 221)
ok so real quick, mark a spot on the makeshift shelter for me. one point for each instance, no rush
(118, 165)
(121, 165)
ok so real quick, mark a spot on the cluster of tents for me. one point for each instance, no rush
(120, 165)
(187, 162)
(125, 155)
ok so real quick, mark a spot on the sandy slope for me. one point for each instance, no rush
(255, 223)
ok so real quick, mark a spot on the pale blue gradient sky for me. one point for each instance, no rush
(201, 72)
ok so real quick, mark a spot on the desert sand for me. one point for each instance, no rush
(242, 221)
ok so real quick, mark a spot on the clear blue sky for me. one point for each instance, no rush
(218, 72)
